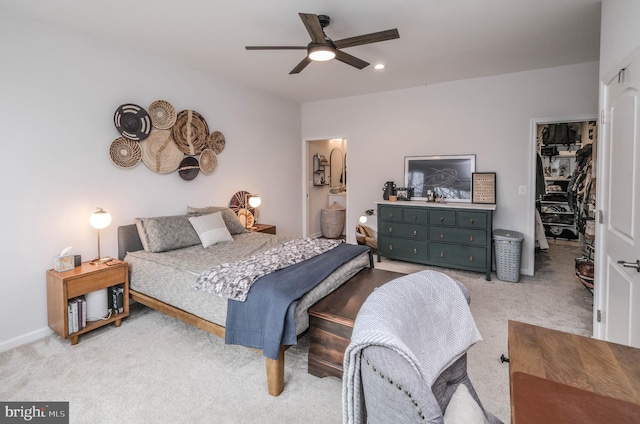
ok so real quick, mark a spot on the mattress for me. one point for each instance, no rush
(170, 276)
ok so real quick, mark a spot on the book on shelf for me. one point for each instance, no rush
(116, 294)
(77, 314)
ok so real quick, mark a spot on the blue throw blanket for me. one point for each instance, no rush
(265, 320)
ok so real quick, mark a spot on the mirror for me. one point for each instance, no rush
(367, 229)
(336, 170)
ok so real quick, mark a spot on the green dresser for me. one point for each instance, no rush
(453, 235)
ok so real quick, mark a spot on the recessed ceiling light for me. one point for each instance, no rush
(379, 66)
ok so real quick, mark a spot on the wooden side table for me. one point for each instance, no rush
(264, 228)
(62, 286)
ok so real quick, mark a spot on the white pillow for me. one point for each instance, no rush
(210, 228)
(463, 408)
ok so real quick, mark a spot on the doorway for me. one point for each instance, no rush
(565, 194)
(325, 180)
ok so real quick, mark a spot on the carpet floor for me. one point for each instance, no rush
(157, 369)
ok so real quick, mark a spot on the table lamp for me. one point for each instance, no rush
(100, 220)
(254, 201)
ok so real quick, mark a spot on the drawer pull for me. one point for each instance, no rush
(442, 219)
(390, 247)
(415, 233)
(390, 230)
(415, 217)
(415, 251)
(390, 214)
(442, 254)
(441, 235)
(470, 258)
(471, 221)
(470, 238)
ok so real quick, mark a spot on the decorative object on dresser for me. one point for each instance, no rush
(440, 234)
(100, 220)
(388, 190)
(483, 187)
(65, 290)
(165, 141)
(445, 176)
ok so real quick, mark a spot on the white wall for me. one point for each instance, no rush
(59, 91)
(620, 32)
(490, 117)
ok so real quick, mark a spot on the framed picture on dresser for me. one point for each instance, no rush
(484, 187)
(448, 176)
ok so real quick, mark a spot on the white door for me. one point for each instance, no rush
(618, 286)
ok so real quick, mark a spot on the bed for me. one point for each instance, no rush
(166, 257)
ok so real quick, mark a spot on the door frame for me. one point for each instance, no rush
(306, 183)
(533, 152)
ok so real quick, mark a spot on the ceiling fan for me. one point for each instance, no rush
(322, 48)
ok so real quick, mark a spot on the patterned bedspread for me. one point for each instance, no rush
(234, 280)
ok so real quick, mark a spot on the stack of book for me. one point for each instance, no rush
(77, 310)
(115, 299)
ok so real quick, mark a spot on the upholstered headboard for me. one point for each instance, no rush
(128, 240)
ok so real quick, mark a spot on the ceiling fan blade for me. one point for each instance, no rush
(374, 37)
(351, 60)
(276, 47)
(313, 26)
(300, 66)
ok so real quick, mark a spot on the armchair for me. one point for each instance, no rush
(407, 356)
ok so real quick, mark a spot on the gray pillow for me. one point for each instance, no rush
(230, 218)
(162, 233)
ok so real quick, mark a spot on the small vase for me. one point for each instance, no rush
(389, 189)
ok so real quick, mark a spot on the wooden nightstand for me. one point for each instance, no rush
(62, 286)
(264, 228)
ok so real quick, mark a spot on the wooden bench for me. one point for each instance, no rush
(331, 320)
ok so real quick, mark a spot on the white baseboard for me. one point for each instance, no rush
(24, 339)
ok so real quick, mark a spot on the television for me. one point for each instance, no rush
(447, 176)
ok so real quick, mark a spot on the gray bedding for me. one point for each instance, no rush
(170, 276)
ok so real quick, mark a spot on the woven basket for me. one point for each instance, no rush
(332, 221)
(163, 114)
(190, 132)
(160, 153)
(189, 168)
(208, 161)
(132, 122)
(216, 142)
(125, 153)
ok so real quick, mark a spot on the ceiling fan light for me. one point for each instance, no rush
(321, 53)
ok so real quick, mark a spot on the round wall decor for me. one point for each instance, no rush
(132, 121)
(163, 114)
(189, 168)
(208, 161)
(125, 153)
(160, 153)
(190, 132)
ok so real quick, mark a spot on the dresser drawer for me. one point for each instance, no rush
(407, 249)
(409, 231)
(415, 215)
(390, 213)
(472, 219)
(459, 235)
(442, 217)
(467, 256)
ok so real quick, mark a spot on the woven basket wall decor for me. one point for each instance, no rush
(189, 168)
(216, 142)
(160, 153)
(163, 114)
(132, 122)
(125, 153)
(208, 161)
(190, 132)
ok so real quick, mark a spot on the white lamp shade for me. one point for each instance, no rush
(321, 54)
(255, 201)
(100, 219)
